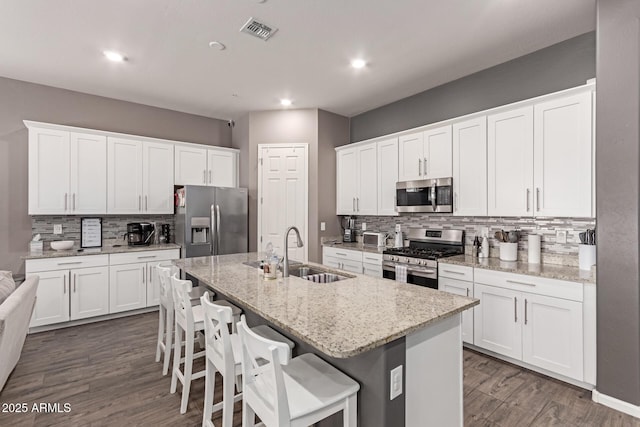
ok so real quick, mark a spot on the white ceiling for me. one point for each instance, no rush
(411, 46)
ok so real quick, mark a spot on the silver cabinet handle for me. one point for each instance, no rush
(204, 176)
(467, 292)
(210, 176)
(74, 201)
(218, 229)
(144, 275)
(354, 204)
(425, 166)
(455, 202)
(454, 272)
(65, 284)
(147, 256)
(139, 203)
(65, 201)
(74, 283)
(420, 167)
(150, 275)
(146, 203)
(515, 282)
(515, 309)
(538, 199)
(341, 254)
(357, 204)
(527, 198)
(525, 311)
(70, 263)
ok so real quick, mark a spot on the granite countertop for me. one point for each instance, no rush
(355, 246)
(104, 250)
(551, 271)
(341, 319)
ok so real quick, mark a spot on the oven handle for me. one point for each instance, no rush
(421, 272)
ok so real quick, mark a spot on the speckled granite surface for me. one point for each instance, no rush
(355, 247)
(341, 319)
(551, 271)
(105, 250)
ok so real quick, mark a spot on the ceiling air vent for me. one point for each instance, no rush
(258, 29)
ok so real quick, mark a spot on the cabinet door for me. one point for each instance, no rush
(346, 184)
(222, 168)
(410, 153)
(351, 266)
(52, 298)
(497, 320)
(48, 171)
(463, 288)
(331, 262)
(157, 181)
(190, 165)
(367, 168)
(124, 176)
(553, 335)
(470, 167)
(387, 176)
(127, 287)
(153, 285)
(437, 153)
(88, 191)
(562, 156)
(89, 292)
(510, 163)
(373, 270)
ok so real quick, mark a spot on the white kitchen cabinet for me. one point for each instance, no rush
(372, 264)
(387, 176)
(89, 292)
(67, 172)
(356, 189)
(458, 280)
(127, 287)
(510, 162)
(563, 156)
(202, 165)
(470, 167)
(426, 155)
(52, 298)
(354, 261)
(140, 177)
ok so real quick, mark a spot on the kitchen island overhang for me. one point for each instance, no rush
(364, 326)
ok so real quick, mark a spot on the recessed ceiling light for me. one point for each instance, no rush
(285, 102)
(217, 45)
(358, 63)
(113, 56)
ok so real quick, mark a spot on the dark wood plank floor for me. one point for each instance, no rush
(107, 373)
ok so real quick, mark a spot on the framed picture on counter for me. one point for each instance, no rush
(91, 232)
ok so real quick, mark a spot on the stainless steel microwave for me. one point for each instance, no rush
(426, 195)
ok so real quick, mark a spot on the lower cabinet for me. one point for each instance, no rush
(460, 287)
(354, 261)
(127, 287)
(52, 299)
(89, 292)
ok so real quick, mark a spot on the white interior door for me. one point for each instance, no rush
(282, 197)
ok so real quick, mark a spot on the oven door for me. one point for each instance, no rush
(428, 195)
(422, 276)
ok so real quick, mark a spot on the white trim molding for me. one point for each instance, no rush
(617, 404)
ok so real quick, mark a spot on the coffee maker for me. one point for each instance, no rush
(349, 230)
(139, 233)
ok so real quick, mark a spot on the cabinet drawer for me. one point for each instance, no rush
(372, 258)
(66, 263)
(144, 256)
(452, 271)
(374, 270)
(344, 254)
(532, 284)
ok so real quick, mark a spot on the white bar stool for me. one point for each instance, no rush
(287, 392)
(165, 315)
(223, 355)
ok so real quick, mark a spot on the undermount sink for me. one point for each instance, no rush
(316, 274)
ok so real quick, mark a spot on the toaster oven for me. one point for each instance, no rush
(370, 238)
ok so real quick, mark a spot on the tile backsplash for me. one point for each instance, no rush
(113, 226)
(472, 226)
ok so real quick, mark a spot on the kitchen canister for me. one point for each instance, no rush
(534, 249)
(508, 251)
(586, 256)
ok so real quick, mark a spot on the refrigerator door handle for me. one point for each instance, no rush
(213, 228)
(217, 229)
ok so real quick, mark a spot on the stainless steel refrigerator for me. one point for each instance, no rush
(212, 221)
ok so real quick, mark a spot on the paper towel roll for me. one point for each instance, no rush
(534, 249)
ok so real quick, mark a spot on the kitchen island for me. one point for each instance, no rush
(364, 326)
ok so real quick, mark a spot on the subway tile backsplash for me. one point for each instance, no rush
(472, 226)
(113, 226)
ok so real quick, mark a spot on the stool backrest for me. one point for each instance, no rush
(182, 302)
(165, 271)
(216, 329)
(262, 378)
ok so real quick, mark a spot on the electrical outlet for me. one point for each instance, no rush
(57, 228)
(364, 226)
(395, 383)
(561, 236)
(323, 226)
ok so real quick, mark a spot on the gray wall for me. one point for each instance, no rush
(27, 101)
(617, 186)
(561, 66)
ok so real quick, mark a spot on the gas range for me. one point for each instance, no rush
(421, 256)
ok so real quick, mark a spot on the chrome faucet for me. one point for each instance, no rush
(285, 264)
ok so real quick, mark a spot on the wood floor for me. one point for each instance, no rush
(107, 373)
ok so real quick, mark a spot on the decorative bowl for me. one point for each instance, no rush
(62, 245)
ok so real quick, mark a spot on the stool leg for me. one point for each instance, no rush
(209, 391)
(227, 400)
(248, 416)
(350, 412)
(161, 321)
(176, 357)
(188, 368)
(167, 345)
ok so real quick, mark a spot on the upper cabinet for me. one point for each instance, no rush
(197, 165)
(425, 155)
(470, 167)
(67, 172)
(356, 189)
(387, 176)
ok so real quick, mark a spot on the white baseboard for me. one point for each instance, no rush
(617, 404)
